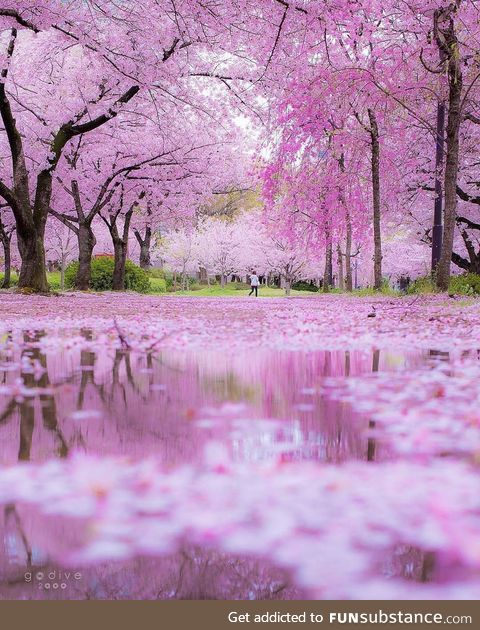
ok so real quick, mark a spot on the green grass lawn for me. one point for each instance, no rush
(158, 288)
(53, 279)
(231, 291)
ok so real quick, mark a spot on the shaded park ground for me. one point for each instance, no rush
(169, 447)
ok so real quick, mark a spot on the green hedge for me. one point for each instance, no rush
(158, 285)
(303, 285)
(136, 279)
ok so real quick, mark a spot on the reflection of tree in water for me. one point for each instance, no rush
(26, 405)
(292, 389)
(372, 443)
(189, 574)
(228, 388)
(15, 538)
(122, 387)
(193, 574)
(405, 560)
(125, 357)
(87, 367)
(213, 575)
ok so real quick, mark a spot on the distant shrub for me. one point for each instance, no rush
(158, 285)
(466, 284)
(303, 285)
(421, 285)
(385, 290)
(136, 279)
(191, 283)
(155, 272)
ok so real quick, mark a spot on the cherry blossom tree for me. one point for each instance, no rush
(71, 45)
(30, 215)
(219, 244)
(180, 254)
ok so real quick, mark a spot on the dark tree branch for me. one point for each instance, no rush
(66, 220)
(7, 194)
(19, 19)
(471, 118)
(69, 130)
(112, 112)
(464, 196)
(470, 224)
(14, 138)
(277, 37)
(427, 67)
(461, 262)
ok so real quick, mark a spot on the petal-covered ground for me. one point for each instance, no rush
(333, 438)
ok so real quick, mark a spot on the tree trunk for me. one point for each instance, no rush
(328, 273)
(341, 283)
(86, 243)
(8, 261)
(348, 256)
(62, 273)
(33, 273)
(288, 286)
(437, 228)
(184, 279)
(203, 276)
(120, 245)
(448, 43)
(223, 280)
(120, 259)
(145, 244)
(30, 221)
(145, 256)
(377, 237)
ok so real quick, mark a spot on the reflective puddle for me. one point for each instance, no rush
(259, 404)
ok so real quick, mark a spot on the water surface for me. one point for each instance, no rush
(261, 404)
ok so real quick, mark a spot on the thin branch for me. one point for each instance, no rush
(19, 19)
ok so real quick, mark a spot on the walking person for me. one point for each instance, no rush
(254, 282)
